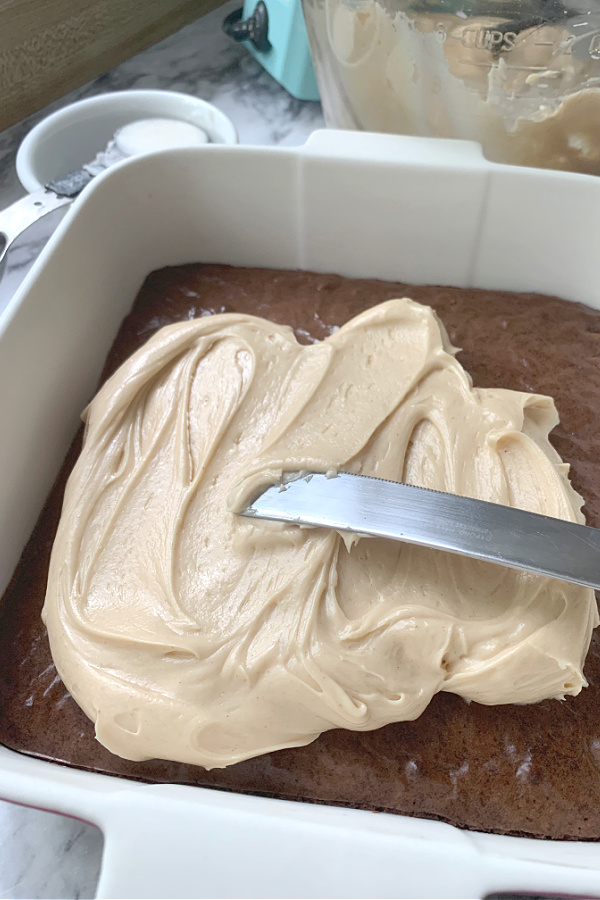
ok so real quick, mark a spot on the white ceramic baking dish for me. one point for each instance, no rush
(361, 205)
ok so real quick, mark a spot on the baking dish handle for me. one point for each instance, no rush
(395, 148)
(177, 841)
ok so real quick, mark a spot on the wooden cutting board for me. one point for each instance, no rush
(50, 47)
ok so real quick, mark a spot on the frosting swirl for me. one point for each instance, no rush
(189, 633)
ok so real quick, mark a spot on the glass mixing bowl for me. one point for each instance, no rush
(521, 77)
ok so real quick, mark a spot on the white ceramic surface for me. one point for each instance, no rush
(72, 136)
(358, 204)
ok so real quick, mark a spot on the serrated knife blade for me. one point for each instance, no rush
(402, 512)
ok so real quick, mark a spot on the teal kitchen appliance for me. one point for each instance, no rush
(275, 34)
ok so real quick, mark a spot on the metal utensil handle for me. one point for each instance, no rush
(15, 219)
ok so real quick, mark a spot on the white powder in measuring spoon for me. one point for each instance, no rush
(149, 135)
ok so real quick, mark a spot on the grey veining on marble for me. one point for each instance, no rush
(42, 855)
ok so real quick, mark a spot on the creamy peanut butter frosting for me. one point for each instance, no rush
(189, 633)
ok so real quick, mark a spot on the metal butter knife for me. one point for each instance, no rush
(401, 512)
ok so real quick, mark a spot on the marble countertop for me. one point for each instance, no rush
(43, 855)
